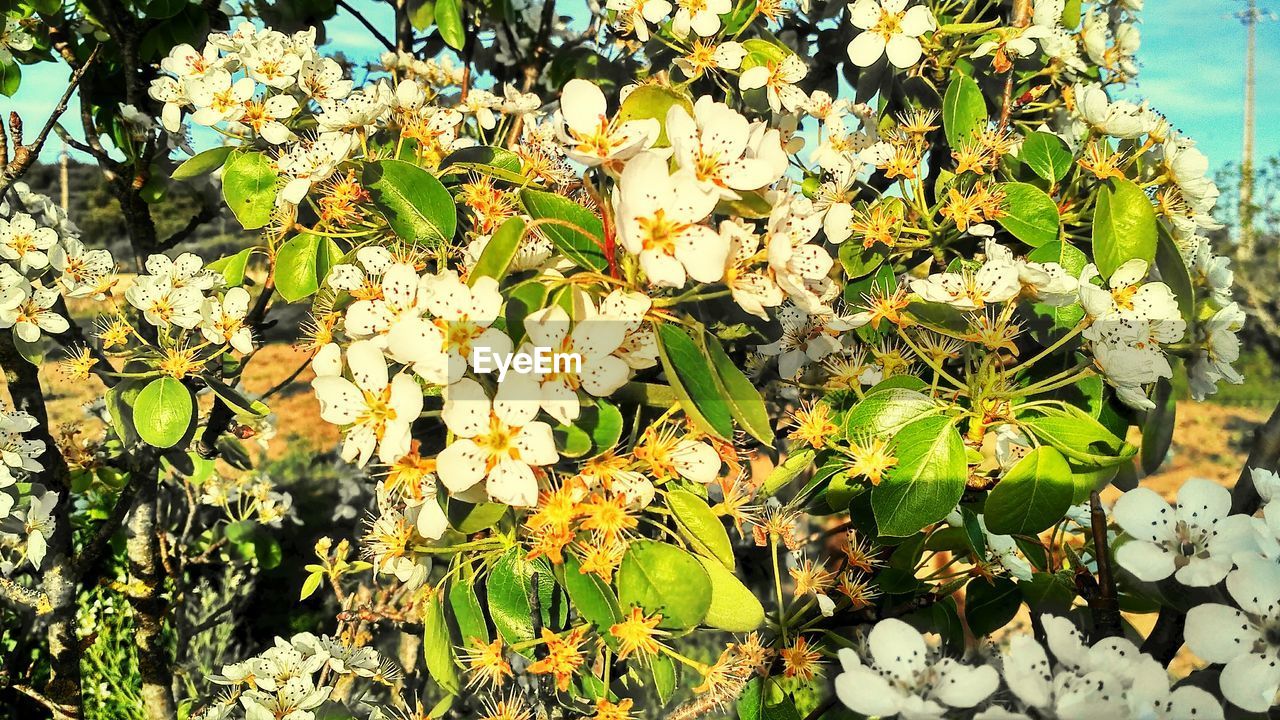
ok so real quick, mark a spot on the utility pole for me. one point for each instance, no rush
(1250, 16)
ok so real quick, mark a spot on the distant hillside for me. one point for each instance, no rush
(93, 208)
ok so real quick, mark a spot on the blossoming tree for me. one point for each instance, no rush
(868, 302)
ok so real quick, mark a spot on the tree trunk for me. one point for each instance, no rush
(146, 583)
(57, 580)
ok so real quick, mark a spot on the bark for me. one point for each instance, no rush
(145, 588)
(58, 579)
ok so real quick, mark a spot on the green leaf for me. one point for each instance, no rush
(416, 206)
(592, 598)
(499, 252)
(1031, 215)
(745, 403)
(302, 264)
(1046, 155)
(120, 401)
(885, 412)
(653, 102)
(963, 109)
(1048, 592)
(990, 606)
(163, 9)
(694, 382)
(10, 77)
(468, 518)
(662, 578)
(858, 261)
(310, 585)
(928, 481)
(232, 267)
(449, 23)
(665, 677)
(482, 156)
(468, 613)
(701, 526)
(1071, 14)
(794, 465)
(1032, 496)
(240, 404)
(577, 232)
(1158, 425)
(1080, 438)
(422, 15)
(597, 429)
(438, 646)
(163, 412)
(202, 163)
(734, 608)
(510, 589)
(1174, 272)
(249, 188)
(1124, 226)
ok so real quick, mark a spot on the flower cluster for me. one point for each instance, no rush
(958, 304)
(44, 262)
(26, 508)
(899, 674)
(295, 677)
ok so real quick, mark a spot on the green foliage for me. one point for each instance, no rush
(1124, 226)
(662, 578)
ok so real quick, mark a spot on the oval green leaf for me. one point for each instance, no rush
(928, 481)
(1030, 214)
(438, 646)
(701, 526)
(449, 23)
(1032, 496)
(163, 412)
(693, 380)
(417, 207)
(249, 188)
(1046, 155)
(576, 231)
(591, 597)
(202, 163)
(662, 578)
(963, 109)
(499, 252)
(302, 264)
(1124, 226)
(734, 608)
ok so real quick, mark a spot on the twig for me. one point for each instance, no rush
(1264, 455)
(1106, 605)
(1021, 17)
(87, 560)
(25, 155)
(368, 25)
(208, 212)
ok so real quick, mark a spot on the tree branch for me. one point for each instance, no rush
(1106, 605)
(368, 25)
(25, 155)
(207, 212)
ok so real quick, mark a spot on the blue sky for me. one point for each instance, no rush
(1192, 58)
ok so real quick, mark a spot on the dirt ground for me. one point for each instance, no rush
(296, 414)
